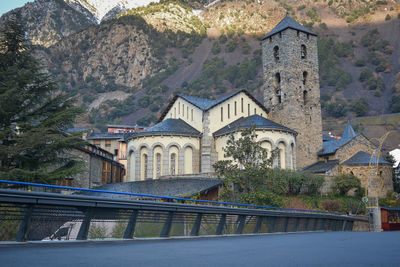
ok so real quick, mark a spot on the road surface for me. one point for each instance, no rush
(303, 249)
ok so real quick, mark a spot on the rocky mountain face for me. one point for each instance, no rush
(124, 59)
(49, 21)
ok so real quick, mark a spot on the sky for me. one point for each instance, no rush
(7, 5)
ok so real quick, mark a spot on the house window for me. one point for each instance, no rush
(158, 165)
(242, 104)
(229, 111)
(175, 113)
(179, 108)
(108, 143)
(191, 114)
(116, 152)
(235, 109)
(183, 110)
(305, 76)
(144, 166)
(187, 112)
(222, 114)
(277, 82)
(305, 98)
(276, 53)
(278, 159)
(255, 111)
(303, 52)
(96, 142)
(248, 109)
(173, 162)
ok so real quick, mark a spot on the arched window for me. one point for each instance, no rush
(305, 97)
(173, 163)
(303, 52)
(277, 82)
(188, 163)
(144, 166)
(305, 76)
(276, 53)
(292, 156)
(158, 165)
(281, 157)
(131, 166)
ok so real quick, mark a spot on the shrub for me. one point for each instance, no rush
(301, 7)
(216, 48)
(353, 206)
(331, 205)
(394, 103)
(231, 46)
(365, 75)
(323, 26)
(360, 62)
(360, 107)
(345, 182)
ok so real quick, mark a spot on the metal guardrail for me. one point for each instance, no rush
(28, 216)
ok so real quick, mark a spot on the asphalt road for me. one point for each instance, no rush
(305, 249)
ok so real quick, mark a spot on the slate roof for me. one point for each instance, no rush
(173, 187)
(330, 147)
(169, 126)
(326, 137)
(94, 136)
(286, 23)
(125, 126)
(321, 166)
(348, 131)
(255, 120)
(206, 104)
(363, 158)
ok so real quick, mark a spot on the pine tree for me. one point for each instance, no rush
(33, 115)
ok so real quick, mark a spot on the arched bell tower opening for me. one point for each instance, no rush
(291, 90)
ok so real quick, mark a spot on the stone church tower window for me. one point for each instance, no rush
(276, 53)
(303, 52)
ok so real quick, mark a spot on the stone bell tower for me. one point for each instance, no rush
(291, 89)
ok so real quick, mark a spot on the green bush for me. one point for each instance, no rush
(331, 205)
(388, 17)
(216, 48)
(394, 103)
(365, 75)
(345, 182)
(360, 107)
(360, 62)
(231, 46)
(301, 7)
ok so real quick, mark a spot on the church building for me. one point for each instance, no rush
(192, 132)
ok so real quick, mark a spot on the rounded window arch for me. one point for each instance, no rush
(188, 160)
(276, 53)
(157, 161)
(131, 166)
(173, 160)
(303, 52)
(281, 155)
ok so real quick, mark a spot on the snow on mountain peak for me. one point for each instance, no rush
(99, 8)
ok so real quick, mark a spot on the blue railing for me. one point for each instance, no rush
(156, 197)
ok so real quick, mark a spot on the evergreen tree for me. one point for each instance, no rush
(33, 115)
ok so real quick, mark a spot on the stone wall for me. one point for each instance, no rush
(357, 144)
(299, 105)
(380, 185)
(91, 174)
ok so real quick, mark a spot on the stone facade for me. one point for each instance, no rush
(291, 90)
(377, 186)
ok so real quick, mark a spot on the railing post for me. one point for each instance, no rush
(258, 225)
(305, 226)
(23, 227)
(167, 225)
(242, 221)
(196, 226)
(130, 228)
(314, 228)
(344, 225)
(221, 224)
(84, 230)
(296, 224)
(271, 226)
(285, 224)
